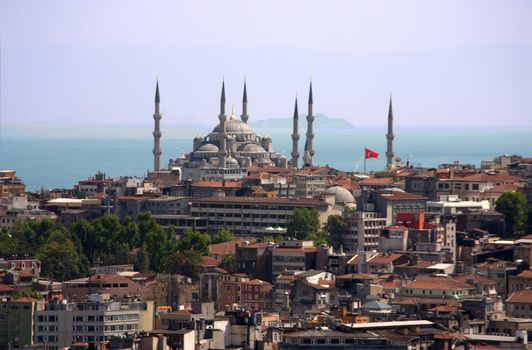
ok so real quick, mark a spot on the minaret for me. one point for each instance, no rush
(389, 137)
(245, 115)
(295, 138)
(223, 137)
(157, 132)
(309, 152)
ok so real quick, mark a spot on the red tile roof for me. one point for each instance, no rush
(354, 276)
(207, 261)
(521, 297)
(474, 279)
(525, 274)
(489, 178)
(377, 181)
(224, 248)
(26, 300)
(438, 283)
(384, 258)
(260, 200)
(504, 188)
(6, 288)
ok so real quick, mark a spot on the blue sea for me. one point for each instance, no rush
(61, 162)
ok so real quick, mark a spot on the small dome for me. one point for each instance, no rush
(252, 147)
(341, 195)
(234, 126)
(209, 147)
(231, 162)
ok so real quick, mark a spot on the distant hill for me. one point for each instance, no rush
(321, 122)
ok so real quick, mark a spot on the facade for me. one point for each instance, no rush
(293, 256)
(251, 215)
(10, 184)
(227, 152)
(364, 230)
(93, 321)
(392, 202)
(17, 322)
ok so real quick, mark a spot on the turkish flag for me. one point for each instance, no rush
(370, 154)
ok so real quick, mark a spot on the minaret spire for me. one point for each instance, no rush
(244, 115)
(389, 137)
(309, 151)
(223, 136)
(157, 131)
(295, 138)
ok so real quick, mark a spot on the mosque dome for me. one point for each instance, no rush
(252, 147)
(264, 161)
(231, 162)
(209, 147)
(341, 195)
(234, 125)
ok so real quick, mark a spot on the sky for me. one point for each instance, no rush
(446, 63)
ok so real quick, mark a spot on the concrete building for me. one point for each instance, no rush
(293, 256)
(252, 216)
(17, 319)
(93, 321)
(10, 184)
(364, 230)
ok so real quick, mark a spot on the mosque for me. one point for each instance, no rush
(232, 146)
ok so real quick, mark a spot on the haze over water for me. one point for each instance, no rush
(60, 162)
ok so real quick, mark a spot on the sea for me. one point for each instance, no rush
(59, 162)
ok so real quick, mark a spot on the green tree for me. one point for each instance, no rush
(194, 240)
(229, 263)
(186, 263)
(303, 222)
(59, 260)
(8, 244)
(336, 227)
(513, 206)
(223, 235)
(318, 238)
(28, 293)
(273, 239)
(141, 260)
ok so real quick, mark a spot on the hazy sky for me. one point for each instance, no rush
(446, 62)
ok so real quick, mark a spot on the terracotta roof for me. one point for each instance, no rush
(347, 184)
(377, 181)
(384, 258)
(525, 274)
(207, 261)
(224, 248)
(423, 264)
(504, 188)
(6, 288)
(489, 178)
(521, 297)
(444, 308)
(438, 282)
(260, 200)
(26, 300)
(474, 279)
(391, 284)
(257, 282)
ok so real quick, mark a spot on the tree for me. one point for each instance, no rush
(229, 263)
(318, 238)
(60, 260)
(513, 206)
(337, 229)
(194, 240)
(303, 222)
(141, 260)
(223, 235)
(184, 263)
(28, 293)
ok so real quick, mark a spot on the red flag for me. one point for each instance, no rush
(370, 154)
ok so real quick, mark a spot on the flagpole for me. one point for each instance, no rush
(364, 159)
